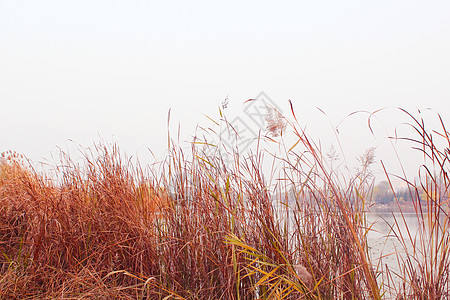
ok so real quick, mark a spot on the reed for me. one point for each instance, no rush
(196, 227)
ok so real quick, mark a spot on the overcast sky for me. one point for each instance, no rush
(85, 70)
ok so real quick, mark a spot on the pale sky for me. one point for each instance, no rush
(85, 70)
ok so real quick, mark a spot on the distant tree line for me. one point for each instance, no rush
(383, 194)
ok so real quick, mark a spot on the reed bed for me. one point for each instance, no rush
(195, 227)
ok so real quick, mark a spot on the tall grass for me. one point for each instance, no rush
(423, 258)
(196, 227)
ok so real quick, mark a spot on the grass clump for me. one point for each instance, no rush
(196, 227)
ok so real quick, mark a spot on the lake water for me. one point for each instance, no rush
(386, 249)
(384, 243)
